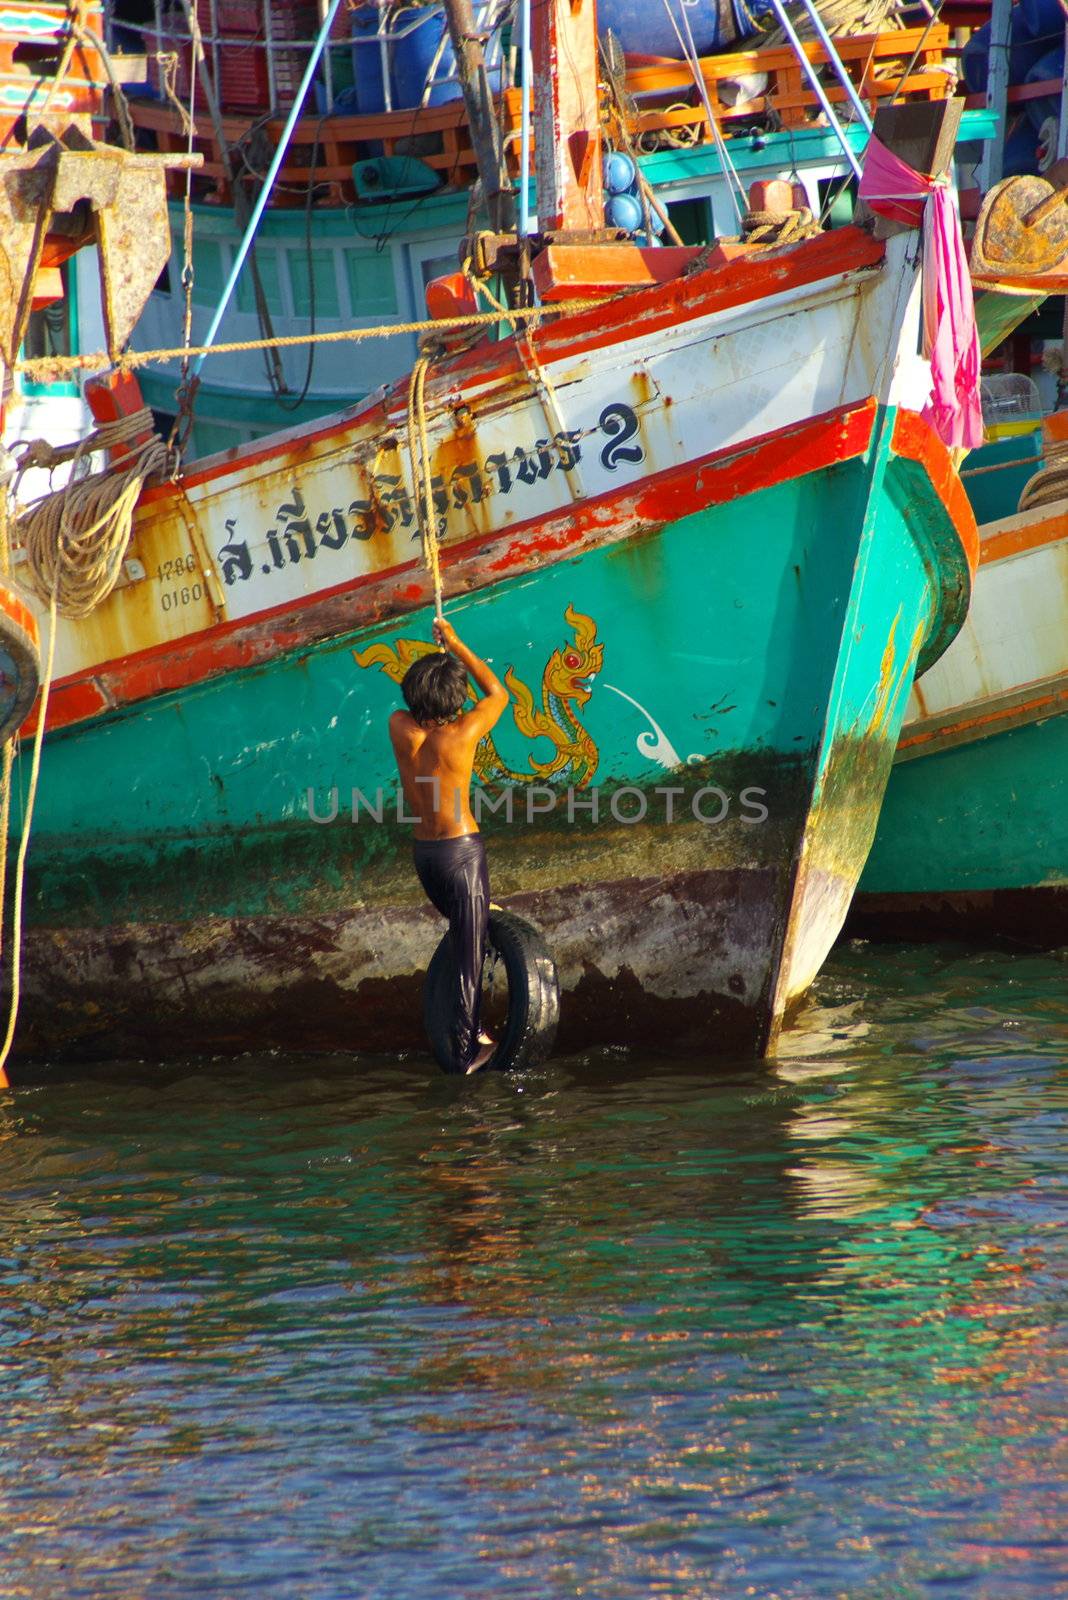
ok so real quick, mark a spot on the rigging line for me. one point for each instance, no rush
(739, 199)
(261, 202)
(47, 369)
(294, 404)
(931, 20)
(187, 235)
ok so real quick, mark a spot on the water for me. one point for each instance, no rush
(335, 1328)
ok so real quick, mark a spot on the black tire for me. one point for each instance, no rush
(533, 995)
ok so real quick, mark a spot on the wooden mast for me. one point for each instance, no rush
(485, 133)
(567, 121)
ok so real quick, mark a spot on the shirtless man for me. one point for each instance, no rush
(434, 743)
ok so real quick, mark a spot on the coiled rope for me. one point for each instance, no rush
(777, 227)
(1050, 483)
(75, 538)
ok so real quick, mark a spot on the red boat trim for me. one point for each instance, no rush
(718, 288)
(916, 440)
(638, 312)
(789, 453)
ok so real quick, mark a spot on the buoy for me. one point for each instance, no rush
(620, 172)
(624, 211)
(533, 995)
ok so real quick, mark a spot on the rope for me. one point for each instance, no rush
(422, 471)
(52, 369)
(1049, 483)
(24, 844)
(76, 570)
(775, 228)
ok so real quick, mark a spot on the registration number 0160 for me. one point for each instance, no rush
(178, 593)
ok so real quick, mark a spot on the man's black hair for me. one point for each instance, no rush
(435, 687)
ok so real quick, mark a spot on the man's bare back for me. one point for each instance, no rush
(434, 742)
(435, 762)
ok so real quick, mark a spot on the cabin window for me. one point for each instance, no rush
(209, 273)
(837, 198)
(268, 266)
(692, 220)
(372, 290)
(314, 266)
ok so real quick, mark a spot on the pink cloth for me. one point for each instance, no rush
(950, 337)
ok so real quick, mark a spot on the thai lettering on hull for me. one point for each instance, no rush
(298, 534)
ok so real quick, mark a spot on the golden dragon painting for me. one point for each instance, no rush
(566, 684)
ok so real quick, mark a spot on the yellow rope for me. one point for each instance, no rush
(24, 844)
(5, 819)
(75, 538)
(51, 369)
(9, 744)
(422, 471)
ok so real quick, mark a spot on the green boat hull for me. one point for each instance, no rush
(704, 718)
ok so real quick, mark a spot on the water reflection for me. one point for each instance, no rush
(346, 1328)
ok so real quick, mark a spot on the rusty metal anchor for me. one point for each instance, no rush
(59, 193)
(1021, 237)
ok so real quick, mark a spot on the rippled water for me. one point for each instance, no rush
(331, 1328)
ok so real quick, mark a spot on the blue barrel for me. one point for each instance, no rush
(1051, 65)
(1039, 19)
(975, 57)
(414, 56)
(368, 84)
(645, 30)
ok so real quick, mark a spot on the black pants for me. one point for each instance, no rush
(453, 873)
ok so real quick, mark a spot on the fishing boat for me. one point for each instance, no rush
(372, 200)
(973, 838)
(691, 503)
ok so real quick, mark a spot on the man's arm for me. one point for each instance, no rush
(487, 711)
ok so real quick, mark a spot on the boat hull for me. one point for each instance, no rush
(973, 838)
(704, 716)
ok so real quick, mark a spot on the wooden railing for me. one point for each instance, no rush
(669, 112)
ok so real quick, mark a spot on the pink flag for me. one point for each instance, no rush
(950, 337)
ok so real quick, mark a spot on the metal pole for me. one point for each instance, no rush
(524, 124)
(997, 92)
(268, 184)
(838, 64)
(814, 79)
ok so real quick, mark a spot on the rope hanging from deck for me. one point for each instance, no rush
(75, 538)
(422, 469)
